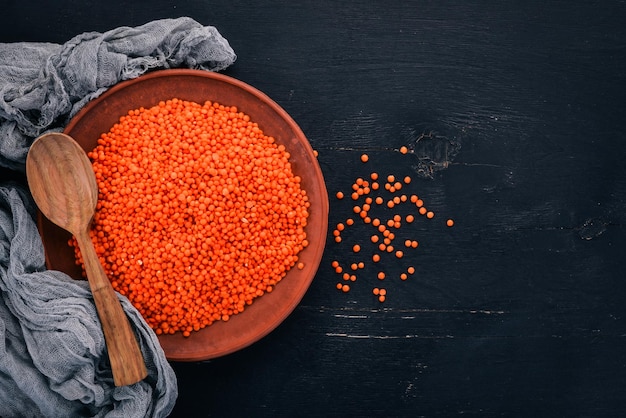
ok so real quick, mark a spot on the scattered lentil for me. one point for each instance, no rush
(362, 189)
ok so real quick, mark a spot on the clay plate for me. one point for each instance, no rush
(268, 311)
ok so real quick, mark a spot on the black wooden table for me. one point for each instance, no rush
(513, 115)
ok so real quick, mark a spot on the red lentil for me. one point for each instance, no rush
(384, 238)
(188, 193)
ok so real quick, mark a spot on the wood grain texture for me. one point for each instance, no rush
(519, 309)
(63, 184)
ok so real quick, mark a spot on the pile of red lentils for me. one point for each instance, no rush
(199, 213)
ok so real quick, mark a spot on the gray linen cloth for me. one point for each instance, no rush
(53, 359)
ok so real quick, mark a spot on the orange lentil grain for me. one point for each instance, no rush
(381, 298)
(381, 275)
(225, 196)
(376, 258)
(410, 270)
(430, 214)
(356, 248)
(345, 288)
(365, 158)
(450, 222)
(422, 210)
(339, 195)
(403, 276)
(403, 150)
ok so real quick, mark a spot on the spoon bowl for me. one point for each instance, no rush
(64, 187)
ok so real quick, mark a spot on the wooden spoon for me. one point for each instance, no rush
(64, 187)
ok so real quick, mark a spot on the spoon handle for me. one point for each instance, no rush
(127, 363)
